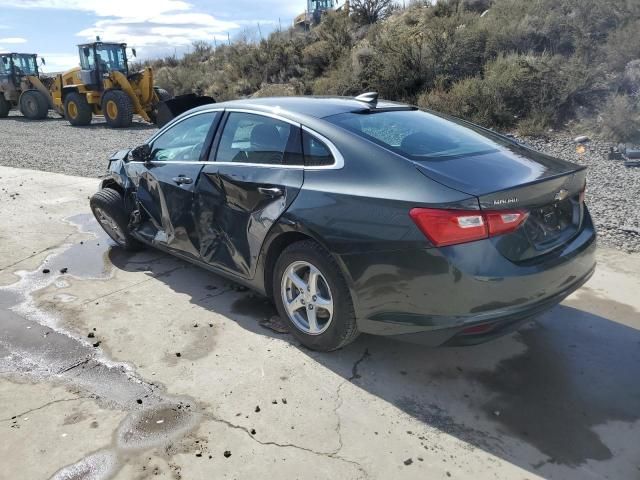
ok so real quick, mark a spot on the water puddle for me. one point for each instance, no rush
(33, 343)
(154, 426)
(97, 466)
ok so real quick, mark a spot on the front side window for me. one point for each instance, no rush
(4, 65)
(185, 141)
(25, 65)
(253, 138)
(111, 57)
(87, 61)
(420, 136)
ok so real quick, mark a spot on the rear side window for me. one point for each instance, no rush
(420, 135)
(316, 153)
(254, 138)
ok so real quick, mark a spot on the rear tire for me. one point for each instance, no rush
(117, 109)
(330, 329)
(77, 110)
(108, 207)
(34, 105)
(5, 106)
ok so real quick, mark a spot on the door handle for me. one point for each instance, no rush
(182, 180)
(272, 192)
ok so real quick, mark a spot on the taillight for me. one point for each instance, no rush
(450, 227)
(501, 222)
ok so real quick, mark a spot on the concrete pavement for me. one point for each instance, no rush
(135, 366)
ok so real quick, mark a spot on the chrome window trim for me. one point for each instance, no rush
(338, 159)
(264, 114)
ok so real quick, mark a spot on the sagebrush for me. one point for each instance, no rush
(523, 64)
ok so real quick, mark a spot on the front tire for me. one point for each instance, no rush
(312, 295)
(34, 105)
(5, 106)
(108, 207)
(117, 109)
(77, 110)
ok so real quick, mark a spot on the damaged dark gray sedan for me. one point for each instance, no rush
(355, 215)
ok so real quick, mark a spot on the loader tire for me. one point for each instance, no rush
(117, 108)
(77, 110)
(5, 106)
(34, 105)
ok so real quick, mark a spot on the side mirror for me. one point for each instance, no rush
(43, 61)
(133, 50)
(141, 153)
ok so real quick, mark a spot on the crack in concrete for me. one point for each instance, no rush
(48, 249)
(340, 401)
(354, 368)
(333, 454)
(128, 287)
(48, 404)
(75, 365)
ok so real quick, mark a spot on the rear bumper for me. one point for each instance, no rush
(431, 296)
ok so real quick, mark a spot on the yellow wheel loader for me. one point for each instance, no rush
(103, 85)
(21, 86)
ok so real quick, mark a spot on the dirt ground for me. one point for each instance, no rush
(135, 366)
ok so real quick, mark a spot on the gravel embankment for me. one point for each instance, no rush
(613, 191)
(55, 146)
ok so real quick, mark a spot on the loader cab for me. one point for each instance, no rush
(98, 59)
(14, 66)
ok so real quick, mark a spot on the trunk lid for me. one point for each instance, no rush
(517, 178)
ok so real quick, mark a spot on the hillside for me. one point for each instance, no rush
(526, 64)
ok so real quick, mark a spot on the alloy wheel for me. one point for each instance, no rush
(307, 298)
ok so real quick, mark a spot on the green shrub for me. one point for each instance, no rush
(512, 88)
(619, 119)
(535, 125)
(525, 64)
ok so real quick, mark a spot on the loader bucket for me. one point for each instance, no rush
(170, 109)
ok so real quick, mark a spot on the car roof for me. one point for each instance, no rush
(308, 106)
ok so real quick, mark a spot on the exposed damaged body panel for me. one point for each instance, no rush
(236, 208)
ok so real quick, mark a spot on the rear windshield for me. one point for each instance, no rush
(420, 136)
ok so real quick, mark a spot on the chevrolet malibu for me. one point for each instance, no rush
(358, 215)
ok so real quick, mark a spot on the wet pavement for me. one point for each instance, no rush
(118, 365)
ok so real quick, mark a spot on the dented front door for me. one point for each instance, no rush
(165, 184)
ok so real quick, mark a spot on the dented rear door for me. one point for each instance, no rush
(255, 174)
